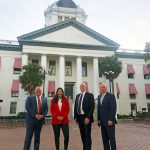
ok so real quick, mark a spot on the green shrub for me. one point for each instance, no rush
(21, 114)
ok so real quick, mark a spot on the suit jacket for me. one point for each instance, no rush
(107, 110)
(54, 108)
(32, 110)
(88, 105)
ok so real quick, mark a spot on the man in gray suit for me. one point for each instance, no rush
(106, 117)
(37, 109)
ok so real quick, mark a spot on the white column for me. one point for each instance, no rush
(44, 61)
(79, 74)
(95, 77)
(24, 59)
(61, 71)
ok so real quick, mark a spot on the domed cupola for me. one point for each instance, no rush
(66, 4)
(62, 10)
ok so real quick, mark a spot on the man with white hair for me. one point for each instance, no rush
(37, 109)
(83, 115)
(106, 117)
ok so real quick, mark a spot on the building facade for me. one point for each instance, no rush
(70, 52)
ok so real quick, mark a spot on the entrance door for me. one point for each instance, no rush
(69, 90)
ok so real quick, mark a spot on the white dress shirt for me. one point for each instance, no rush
(59, 104)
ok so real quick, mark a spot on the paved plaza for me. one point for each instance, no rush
(130, 136)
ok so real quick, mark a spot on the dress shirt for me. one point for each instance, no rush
(82, 112)
(59, 104)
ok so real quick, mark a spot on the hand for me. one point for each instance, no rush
(87, 120)
(110, 123)
(60, 118)
(38, 117)
(76, 122)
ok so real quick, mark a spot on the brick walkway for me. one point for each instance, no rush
(129, 137)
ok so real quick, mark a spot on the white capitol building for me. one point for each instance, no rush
(72, 52)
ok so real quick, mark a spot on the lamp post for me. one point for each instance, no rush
(109, 76)
(43, 72)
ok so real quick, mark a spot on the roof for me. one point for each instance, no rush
(66, 3)
(61, 25)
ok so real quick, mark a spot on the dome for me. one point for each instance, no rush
(66, 3)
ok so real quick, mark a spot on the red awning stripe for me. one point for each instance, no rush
(17, 63)
(132, 89)
(15, 86)
(51, 86)
(146, 70)
(130, 69)
(117, 88)
(147, 88)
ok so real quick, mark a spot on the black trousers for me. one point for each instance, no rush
(108, 137)
(65, 129)
(33, 128)
(85, 132)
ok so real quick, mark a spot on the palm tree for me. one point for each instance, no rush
(110, 67)
(30, 77)
(147, 50)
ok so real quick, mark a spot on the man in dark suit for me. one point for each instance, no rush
(37, 109)
(106, 117)
(83, 115)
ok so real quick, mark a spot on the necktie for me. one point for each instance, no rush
(39, 106)
(79, 104)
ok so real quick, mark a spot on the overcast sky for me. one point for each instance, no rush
(126, 22)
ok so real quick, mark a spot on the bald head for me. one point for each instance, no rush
(82, 87)
(103, 88)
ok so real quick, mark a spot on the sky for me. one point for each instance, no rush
(126, 22)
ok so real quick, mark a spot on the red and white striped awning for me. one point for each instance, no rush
(17, 63)
(146, 70)
(147, 88)
(51, 86)
(15, 86)
(132, 89)
(130, 69)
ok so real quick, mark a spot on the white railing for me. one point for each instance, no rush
(10, 42)
(130, 51)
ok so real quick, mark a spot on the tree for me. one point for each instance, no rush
(147, 50)
(112, 64)
(30, 77)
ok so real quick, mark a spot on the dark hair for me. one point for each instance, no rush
(55, 98)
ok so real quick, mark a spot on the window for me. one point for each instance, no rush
(15, 88)
(13, 107)
(133, 107)
(66, 18)
(84, 69)
(52, 67)
(17, 65)
(51, 89)
(132, 96)
(35, 61)
(14, 94)
(17, 70)
(147, 96)
(130, 71)
(59, 18)
(146, 76)
(130, 76)
(68, 68)
(148, 107)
